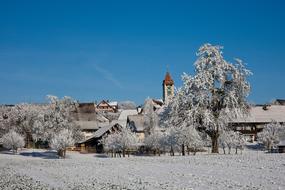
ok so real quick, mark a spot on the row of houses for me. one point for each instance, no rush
(95, 125)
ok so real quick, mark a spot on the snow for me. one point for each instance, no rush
(251, 170)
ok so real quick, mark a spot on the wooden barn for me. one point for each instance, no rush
(92, 143)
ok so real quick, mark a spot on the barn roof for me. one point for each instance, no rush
(102, 131)
(91, 125)
(122, 120)
(264, 114)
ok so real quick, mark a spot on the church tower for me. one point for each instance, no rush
(168, 88)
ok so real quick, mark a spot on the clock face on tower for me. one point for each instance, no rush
(169, 90)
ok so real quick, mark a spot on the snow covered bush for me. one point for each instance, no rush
(120, 141)
(271, 134)
(214, 96)
(61, 141)
(13, 140)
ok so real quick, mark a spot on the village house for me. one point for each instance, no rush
(259, 116)
(92, 142)
(106, 106)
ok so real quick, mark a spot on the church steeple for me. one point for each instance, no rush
(168, 87)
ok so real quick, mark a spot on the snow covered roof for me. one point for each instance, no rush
(86, 108)
(124, 116)
(85, 125)
(113, 103)
(261, 114)
(103, 130)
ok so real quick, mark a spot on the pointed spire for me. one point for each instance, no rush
(168, 79)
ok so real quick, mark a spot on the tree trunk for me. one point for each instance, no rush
(224, 150)
(124, 153)
(171, 151)
(215, 145)
(236, 150)
(183, 150)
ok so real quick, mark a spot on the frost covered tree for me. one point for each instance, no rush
(190, 137)
(216, 94)
(40, 122)
(150, 117)
(111, 143)
(4, 120)
(271, 133)
(231, 139)
(61, 140)
(155, 141)
(127, 105)
(240, 141)
(120, 141)
(127, 140)
(175, 118)
(13, 140)
(58, 117)
(20, 118)
(224, 140)
(171, 140)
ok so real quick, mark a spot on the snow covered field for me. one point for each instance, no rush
(39, 170)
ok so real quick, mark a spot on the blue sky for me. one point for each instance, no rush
(119, 50)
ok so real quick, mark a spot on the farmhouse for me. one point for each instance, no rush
(259, 116)
(93, 144)
(101, 129)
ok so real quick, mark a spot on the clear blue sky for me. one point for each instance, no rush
(119, 50)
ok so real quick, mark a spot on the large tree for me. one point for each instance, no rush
(214, 96)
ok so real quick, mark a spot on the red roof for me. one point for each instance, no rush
(168, 80)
